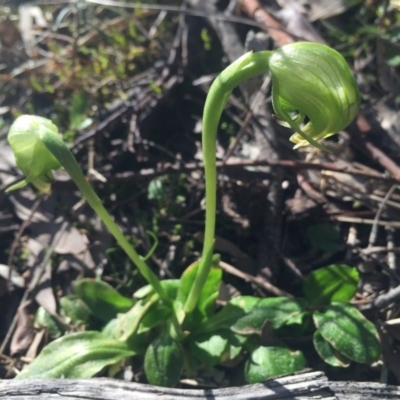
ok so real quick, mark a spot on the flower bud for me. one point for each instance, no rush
(313, 81)
(31, 155)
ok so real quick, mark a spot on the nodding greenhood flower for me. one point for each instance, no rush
(311, 80)
(31, 155)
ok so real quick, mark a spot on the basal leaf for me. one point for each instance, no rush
(128, 323)
(78, 355)
(186, 282)
(209, 347)
(109, 329)
(210, 291)
(334, 283)
(44, 319)
(137, 342)
(185, 285)
(277, 310)
(75, 309)
(236, 308)
(169, 285)
(156, 315)
(163, 361)
(349, 332)
(234, 348)
(268, 361)
(102, 299)
(328, 353)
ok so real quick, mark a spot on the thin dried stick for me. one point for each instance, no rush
(277, 32)
(262, 283)
(374, 230)
(167, 168)
(17, 238)
(354, 220)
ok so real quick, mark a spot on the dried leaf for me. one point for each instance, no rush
(34, 347)
(15, 278)
(71, 241)
(24, 333)
(297, 23)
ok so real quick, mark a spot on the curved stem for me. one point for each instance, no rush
(246, 67)
(60, 150)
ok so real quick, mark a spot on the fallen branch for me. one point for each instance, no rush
(168, 168)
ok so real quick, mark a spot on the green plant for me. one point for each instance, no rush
(175, 324)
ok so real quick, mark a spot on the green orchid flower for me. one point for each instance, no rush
(31, 155)
(309, 80)
(314, 81)
(38, 150)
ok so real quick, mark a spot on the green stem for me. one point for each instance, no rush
(246, 67)
(60, 150)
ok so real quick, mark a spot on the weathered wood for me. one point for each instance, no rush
(364, 391)
(307, 386)
(302, 386)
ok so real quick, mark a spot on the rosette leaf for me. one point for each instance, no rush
(31, 155)
(313, 81)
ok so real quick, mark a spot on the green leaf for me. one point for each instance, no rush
(235, 347)
(236, 308)
(44, 319)
(109, 329)
(334, 283)
(137, 343)
(216, 347)
(185, 286)
(169, 285)
(102, 299)
(328, 353)
(186, 282)
(156, 315)
(349, 332)
(277, 310)
(324, 237)
(75, 309)
(245, 315)
(210, 290)
(267, 362)
(78, 355)
(163, 361)
(210, 347)
(128, 323)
